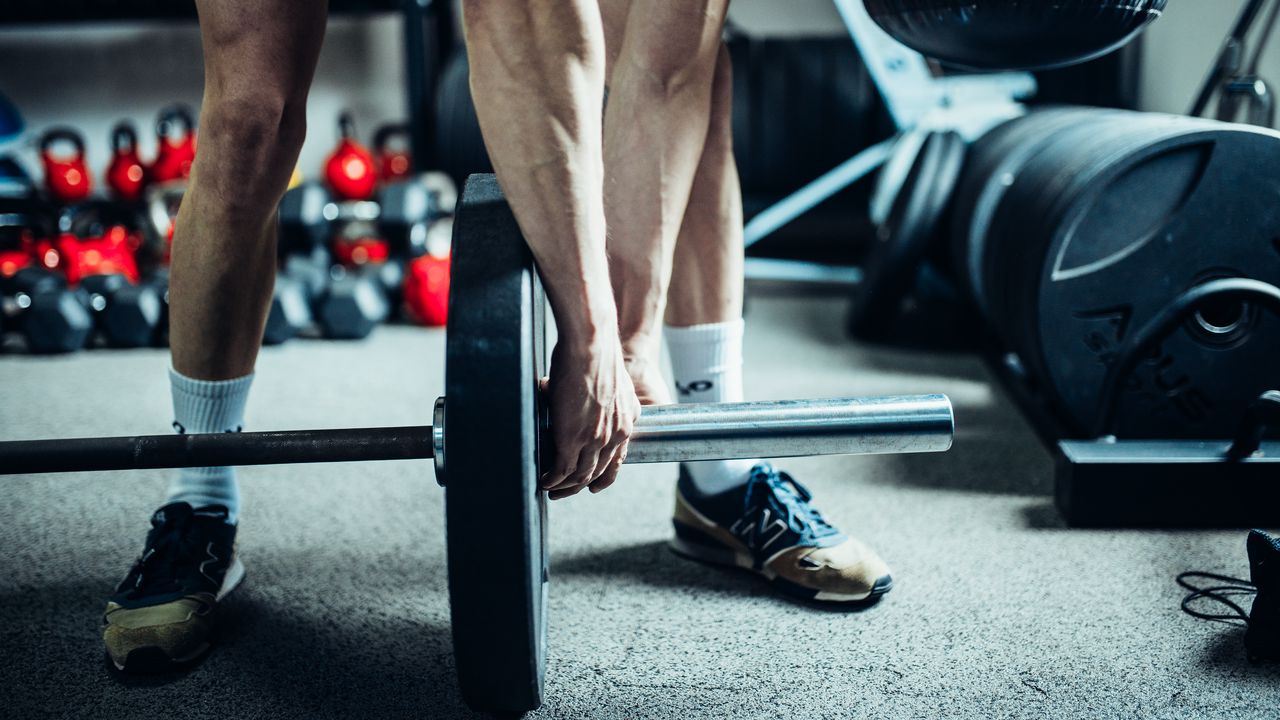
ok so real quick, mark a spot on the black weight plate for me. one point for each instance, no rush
(1178, 211)
(991, 164)
(902, 243)
(1018, 221)
(1002, 161)
(495, 513)
(1060, 175)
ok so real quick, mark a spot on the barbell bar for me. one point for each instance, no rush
(663, 433)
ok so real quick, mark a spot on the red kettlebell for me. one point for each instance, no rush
(426, 290)
(126, 174)
(107, 254)
(394, 163)
(67, 177)
(349, 169)
(176, 143)
(17, 250)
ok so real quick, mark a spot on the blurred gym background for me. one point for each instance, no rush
(804, 102)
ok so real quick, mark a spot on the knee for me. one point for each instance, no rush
(250, 140)
(680, 60)
(260, 124)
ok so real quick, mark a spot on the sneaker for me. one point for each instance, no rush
(1263, 636)
(767, 526)
(161, 616)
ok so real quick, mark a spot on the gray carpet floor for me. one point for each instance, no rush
(999, 610)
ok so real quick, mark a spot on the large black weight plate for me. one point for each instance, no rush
(902, 243)
(992, 164)
(1019, 224)
(495, 513)
(1158, 219)
(1025, 223)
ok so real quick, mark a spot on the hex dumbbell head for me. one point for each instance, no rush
(311, 271)
(352, 307)
(290, 311)
(390, 278)
(38, 305)
(132, 316)
(95, 292)
(306, 212)
(159, 280)
(406, 212)
(54, 321)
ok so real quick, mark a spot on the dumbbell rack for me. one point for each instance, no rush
(1111, 482)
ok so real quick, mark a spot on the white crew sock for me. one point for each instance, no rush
(208, 406)
(706, 364)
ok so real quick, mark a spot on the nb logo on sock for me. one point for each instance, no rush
(697, 386)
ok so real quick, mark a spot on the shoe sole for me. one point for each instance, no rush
(720, 555)
(151, 660)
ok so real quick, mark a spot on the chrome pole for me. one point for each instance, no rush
(791, 428)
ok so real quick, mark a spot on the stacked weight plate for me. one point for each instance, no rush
(1075, 227)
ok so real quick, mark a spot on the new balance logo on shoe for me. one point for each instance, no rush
(759, 534)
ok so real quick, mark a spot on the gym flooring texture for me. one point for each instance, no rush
(999, 610)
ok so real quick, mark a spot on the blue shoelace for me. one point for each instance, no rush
(789, 499)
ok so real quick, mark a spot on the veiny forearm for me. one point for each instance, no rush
(537, 77)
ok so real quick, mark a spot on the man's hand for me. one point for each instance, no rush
(651, 387)
(593, 410)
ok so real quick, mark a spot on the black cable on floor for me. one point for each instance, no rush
(1217, 593)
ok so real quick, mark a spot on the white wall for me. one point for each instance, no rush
(91, 75)
(786, 17)
(1181, 46)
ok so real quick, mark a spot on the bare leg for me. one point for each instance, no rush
(656, 124)
(260, 56)
(706, 277)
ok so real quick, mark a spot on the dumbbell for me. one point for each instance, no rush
(37, 304)
(344, 303)
(300, 283)
(404, 212)
(158, 280)
(297, 283)
(353, 303)
(409, 207)
(305, 216)
(126, 315)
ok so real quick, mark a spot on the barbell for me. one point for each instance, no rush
(496, 446)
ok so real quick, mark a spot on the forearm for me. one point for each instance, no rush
(655, 130)
(537, 77)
